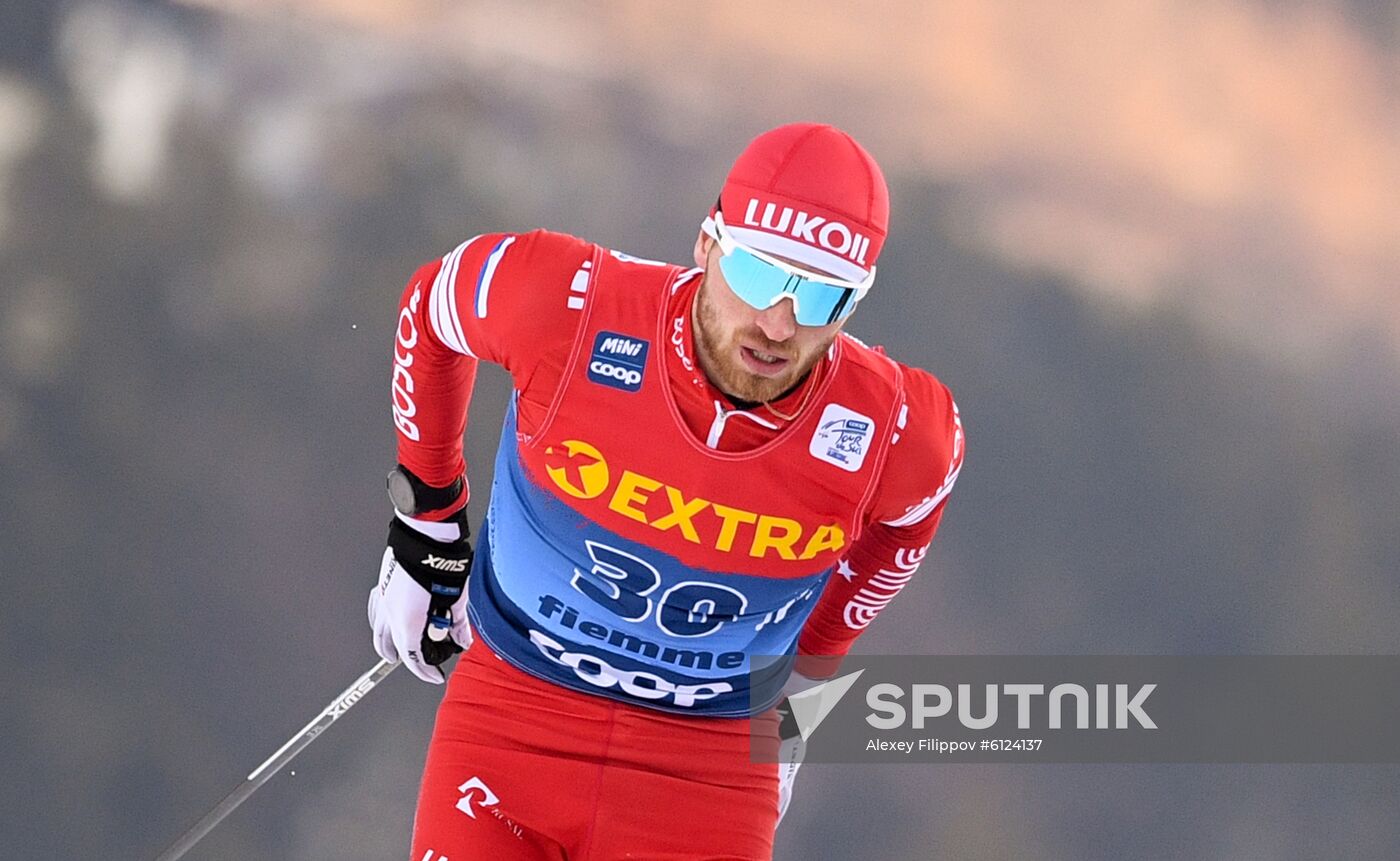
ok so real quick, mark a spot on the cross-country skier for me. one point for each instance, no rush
(697, 465)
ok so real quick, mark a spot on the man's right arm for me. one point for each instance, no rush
(509, 299)
(505, 298)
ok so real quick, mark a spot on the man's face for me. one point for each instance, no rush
(749, 354)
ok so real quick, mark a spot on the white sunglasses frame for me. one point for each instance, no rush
(713, 226)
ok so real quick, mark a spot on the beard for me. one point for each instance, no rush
(717, 350)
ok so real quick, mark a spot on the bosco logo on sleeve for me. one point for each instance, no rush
(618, 361)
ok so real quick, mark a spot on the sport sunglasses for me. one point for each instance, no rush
(762, 281)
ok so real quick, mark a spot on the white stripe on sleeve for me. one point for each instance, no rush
(916, 513)
(442, 302)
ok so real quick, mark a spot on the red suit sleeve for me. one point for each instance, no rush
(510, 299)
(923, 464)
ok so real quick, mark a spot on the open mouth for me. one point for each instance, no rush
(763, 364)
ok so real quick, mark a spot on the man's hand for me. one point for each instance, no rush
(792, 747)
(791, 750)
(418, 610)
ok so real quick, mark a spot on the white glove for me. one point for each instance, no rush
(790, 754)
(792, 747)
(420, 627)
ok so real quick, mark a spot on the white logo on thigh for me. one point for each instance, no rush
(468, 791)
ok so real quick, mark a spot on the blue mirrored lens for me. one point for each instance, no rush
(759, 282)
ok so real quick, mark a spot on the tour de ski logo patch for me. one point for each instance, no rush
(618, 361)
(842, 438)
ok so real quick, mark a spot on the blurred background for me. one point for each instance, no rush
(1152, 247)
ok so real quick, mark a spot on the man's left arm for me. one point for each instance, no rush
(919, 474)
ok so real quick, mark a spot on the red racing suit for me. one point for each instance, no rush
(644, 538)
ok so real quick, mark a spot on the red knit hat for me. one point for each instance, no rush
(810, 193)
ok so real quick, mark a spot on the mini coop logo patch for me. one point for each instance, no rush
(842, 437)
(618, 361)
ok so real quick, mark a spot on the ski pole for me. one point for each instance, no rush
(339, 706)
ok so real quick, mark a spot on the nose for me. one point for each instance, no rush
(778, 322)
